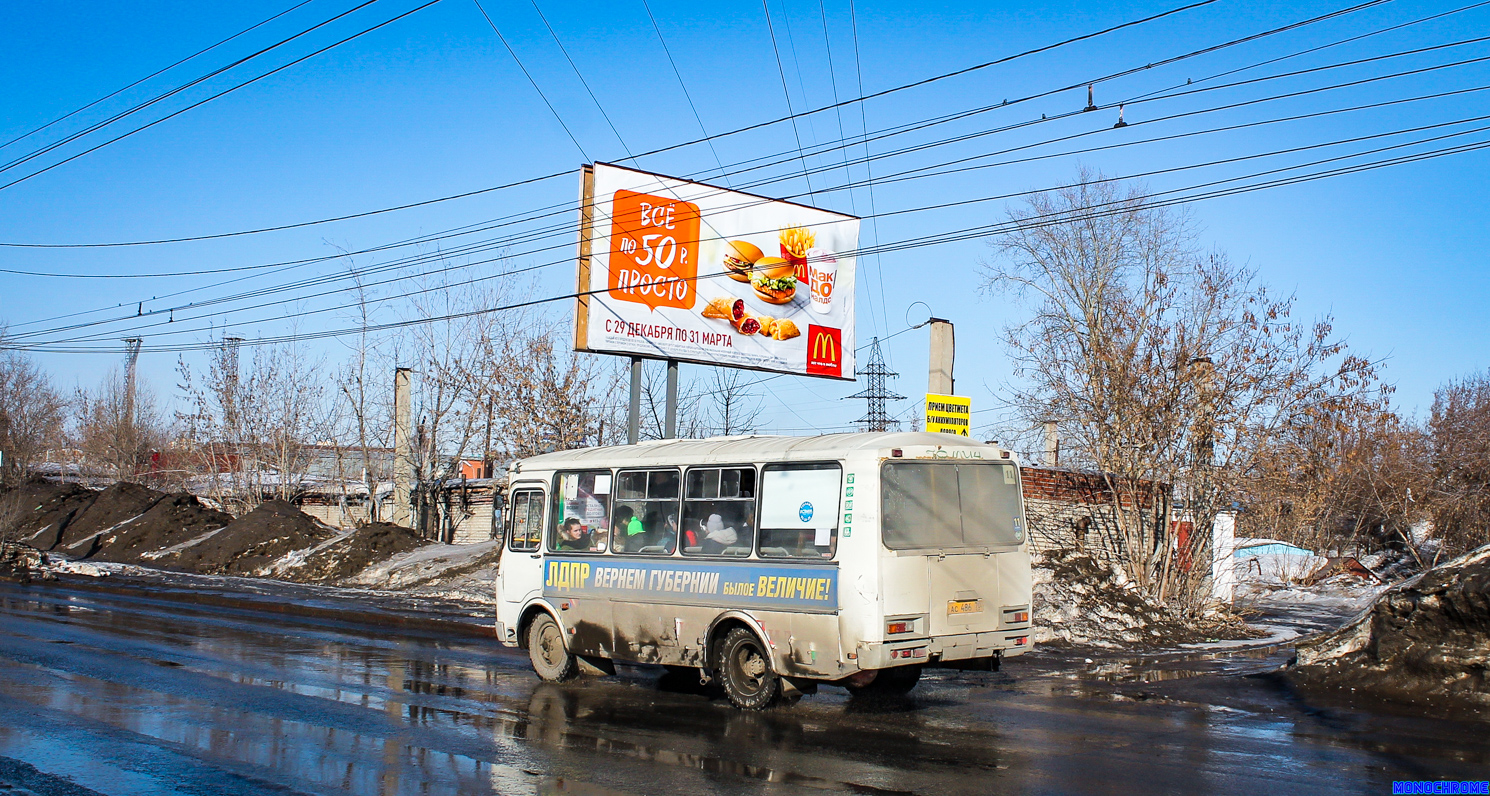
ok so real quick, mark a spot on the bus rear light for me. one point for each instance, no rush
(896, 453)
(1019, 616)
(894, 628)
(918, 652)
(1022, 641)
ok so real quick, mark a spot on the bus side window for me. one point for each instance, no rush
(527, 521)
(799, 510)
(581, 505)
(719, 511)
(644, 520)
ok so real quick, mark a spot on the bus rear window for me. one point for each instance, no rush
(933, 505)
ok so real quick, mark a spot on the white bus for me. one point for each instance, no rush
(769, 564)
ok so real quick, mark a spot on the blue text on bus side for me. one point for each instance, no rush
(805, 513)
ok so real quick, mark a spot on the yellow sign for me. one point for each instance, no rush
(948, 414)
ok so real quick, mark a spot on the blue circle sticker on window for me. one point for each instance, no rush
(805, 512)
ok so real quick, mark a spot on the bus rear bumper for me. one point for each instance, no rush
(945, 649)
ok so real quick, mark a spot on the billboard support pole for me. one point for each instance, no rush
(671, 413)
(634, 410)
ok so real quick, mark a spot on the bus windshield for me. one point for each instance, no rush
(948, 505)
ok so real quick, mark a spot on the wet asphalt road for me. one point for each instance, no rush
(126, 695)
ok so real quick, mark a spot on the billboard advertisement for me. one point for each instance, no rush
(672, 269)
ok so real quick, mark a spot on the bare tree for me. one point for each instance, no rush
(117, 431)
(1459, 430)
(362, 384)
(32, 414)
(731, 407)
(1167, 366)
(691, 422)
(250, 425)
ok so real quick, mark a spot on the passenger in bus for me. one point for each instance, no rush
(628, 533)
(573, 536)
(718, 536)
(669, 541)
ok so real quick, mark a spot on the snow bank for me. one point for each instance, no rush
(1428, 636)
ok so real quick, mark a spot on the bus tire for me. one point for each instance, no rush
(744, 670)
(896, 681)
(550, 659)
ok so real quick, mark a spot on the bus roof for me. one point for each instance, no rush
(743, 449)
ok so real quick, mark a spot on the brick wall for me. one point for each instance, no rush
(1058, 503)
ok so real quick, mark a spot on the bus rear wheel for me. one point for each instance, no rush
(744, 670)
(887, 682)
(546, 650)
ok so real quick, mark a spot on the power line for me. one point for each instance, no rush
(541, 96)
(844, 143)
(679, 74)
(224, 92)
(155, 74)
(918, 241)
(876, 250)
(582, 80)
(736, 131)
(161, 97)
(791, 114)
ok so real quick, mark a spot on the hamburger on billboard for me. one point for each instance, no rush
(672, 269)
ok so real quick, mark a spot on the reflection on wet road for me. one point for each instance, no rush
(126, 695)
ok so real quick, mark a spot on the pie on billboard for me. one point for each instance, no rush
(824, 351)
(654, 260)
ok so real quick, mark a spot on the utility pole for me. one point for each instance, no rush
(131, 359)
(943, 354)
(876, 392)
(1052, 456)
(230, 346)
(403, 454)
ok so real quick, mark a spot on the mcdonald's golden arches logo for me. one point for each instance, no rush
(824, 351)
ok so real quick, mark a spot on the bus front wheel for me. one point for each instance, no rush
(745, 671)
(546, 650)
(895, 681)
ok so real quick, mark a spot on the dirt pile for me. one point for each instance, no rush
(251, 544)
(110, 510)
(1427, 638)
(1078, 599)
(171, 524)
(34, 512)
(349, 554)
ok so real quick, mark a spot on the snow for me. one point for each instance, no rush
(296, 558)
(176, 548)
(438, 562)
(108, 530)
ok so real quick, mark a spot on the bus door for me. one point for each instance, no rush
(520, 575)
(957, 515)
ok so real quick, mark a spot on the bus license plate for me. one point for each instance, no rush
(964, 606)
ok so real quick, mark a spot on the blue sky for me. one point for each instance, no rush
(433, 105)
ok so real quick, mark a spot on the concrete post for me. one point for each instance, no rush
(403, 452)
(943, 354)
(1052, 444)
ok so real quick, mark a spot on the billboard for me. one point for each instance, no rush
(672, 269)
(948, 414)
